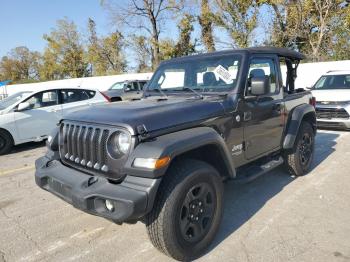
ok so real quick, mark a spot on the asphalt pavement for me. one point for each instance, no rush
(274, 218)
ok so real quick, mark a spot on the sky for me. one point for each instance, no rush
(23, 22)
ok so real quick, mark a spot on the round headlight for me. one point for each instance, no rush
(118, 144)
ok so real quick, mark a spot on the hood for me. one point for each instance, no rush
(332, 95)
(154, 114)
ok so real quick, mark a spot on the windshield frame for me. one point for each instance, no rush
(217, 90)
(329, 88)
(24, 95)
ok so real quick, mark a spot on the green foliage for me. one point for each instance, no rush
(143, 51)
(314, 27)
(64, 54)
(239, 18)
(105, 55)
(20, 65)
(318, 28)
(206, 20)
(184, 45)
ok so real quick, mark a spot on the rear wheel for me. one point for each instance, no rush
(6, 142)
(299, 160)
(187, 211)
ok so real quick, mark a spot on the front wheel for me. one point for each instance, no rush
(6, 142)
(299, 160)
(187, 210)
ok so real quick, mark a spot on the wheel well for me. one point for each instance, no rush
(210, 154)
(7, 132)
(116, 99)
(311, 118)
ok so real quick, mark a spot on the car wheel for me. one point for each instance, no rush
(6, 142)
(187, 211)
(299, 160)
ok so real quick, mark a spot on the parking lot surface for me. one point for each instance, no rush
(274, 218)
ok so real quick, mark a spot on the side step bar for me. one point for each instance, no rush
(250, 173)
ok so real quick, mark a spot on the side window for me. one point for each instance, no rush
(135, 86)
(260, 67)
(43, 99)
(128, 87)
(142, 84)
(90, 93)
(73, 95)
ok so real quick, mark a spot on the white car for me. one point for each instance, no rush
(332, 93)
(31, 116)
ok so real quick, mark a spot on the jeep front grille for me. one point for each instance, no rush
(84, 146)
(329, 113)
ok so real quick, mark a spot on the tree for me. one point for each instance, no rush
(239, 18)
(105, 55)
(20, 65)
(206, 19)
(64, 54)
(143, 52)
(169, 49)
(147, 16)
(184, 45)
(313, 27)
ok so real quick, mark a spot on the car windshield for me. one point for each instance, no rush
(12, 99)
(117, 86)
(207, 74)
(333, 82)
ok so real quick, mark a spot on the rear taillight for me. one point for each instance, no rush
(105, 96)
(313, 101)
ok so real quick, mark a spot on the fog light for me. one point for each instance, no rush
(109, 205)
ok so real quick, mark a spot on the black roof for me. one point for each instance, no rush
(283, 52)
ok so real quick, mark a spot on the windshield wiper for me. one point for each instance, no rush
(194, 91)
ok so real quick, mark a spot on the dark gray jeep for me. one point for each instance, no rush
(204, 119)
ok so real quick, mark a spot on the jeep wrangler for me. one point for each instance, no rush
(203, 120)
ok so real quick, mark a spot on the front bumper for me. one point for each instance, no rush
(332, 120)
(333, 123)
(132, 198)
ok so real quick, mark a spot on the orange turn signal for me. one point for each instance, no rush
(162, 162)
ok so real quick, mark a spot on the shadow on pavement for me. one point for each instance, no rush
(26, 146)
(243, 201)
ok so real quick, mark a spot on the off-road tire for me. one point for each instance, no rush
(163, 222)
(293, 160)
(6, 142)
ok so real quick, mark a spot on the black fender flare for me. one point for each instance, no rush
(293, 124)
(175, 144)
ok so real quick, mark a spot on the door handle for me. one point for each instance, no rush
(53, 110)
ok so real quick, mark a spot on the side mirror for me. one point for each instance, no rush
(127, 89)
(23, 106)
(259, 85)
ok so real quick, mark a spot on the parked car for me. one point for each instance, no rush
(126, 90)
(205, 119)
(30, 116)
(332, 92)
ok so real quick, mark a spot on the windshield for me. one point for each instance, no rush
(117, 86)
(333, 82)
(218, 73)
(12, 99)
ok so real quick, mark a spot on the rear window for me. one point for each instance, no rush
(76, 95)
